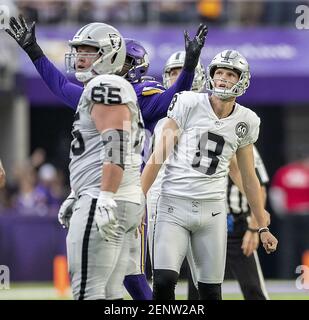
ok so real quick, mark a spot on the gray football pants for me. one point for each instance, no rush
(181, 220)
(97, 267)
(152, 201)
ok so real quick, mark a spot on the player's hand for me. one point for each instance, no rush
(25, 36)
(66, 210)
(250, 242)
(104, 215)
(20, 31)
(269, 241)
(193, 47)
(143, 224)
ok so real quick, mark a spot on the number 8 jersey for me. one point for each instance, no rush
(87, 149)
(199, 165)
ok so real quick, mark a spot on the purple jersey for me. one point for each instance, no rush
(153, 98)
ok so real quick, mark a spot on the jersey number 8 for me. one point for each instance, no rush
(213, 155)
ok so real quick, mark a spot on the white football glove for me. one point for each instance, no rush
(104, 215)
(65, 211)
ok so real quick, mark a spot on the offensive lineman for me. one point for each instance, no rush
(104, 167)
(204, 133)
(153, 100)
(109, 203)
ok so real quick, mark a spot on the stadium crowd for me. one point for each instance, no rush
(218, 12)
(37, 188)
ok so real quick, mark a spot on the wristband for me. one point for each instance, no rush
(34, 51)
(263, 229)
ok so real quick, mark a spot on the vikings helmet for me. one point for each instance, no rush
(136, 63)
(177, 60)
(230, 59)
(111, 50)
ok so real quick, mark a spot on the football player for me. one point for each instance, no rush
(200, 137)
(105, 131)
(153, 100)
(242, 258)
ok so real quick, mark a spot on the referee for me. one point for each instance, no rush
(242, 261)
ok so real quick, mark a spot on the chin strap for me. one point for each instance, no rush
(84, 76)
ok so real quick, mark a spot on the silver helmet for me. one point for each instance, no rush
(233, 60)
(177, 60)
(111, 51)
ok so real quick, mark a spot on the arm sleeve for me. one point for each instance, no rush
(154, 107)
(68, 92)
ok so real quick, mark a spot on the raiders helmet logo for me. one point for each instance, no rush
(241, 129)
(115, 41)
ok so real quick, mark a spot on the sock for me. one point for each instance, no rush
(138, 287)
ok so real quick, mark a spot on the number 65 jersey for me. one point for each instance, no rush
(199, 165)
(87, 148)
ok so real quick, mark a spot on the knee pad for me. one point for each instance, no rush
(164, 283)
(209, 291)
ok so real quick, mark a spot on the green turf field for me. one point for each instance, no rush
(278, 290)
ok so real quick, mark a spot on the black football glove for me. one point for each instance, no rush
(25, 37)
(194, 47)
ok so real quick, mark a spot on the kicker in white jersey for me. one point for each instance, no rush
(199, 164)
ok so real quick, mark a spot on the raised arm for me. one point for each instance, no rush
(154, 107)
(68, 92)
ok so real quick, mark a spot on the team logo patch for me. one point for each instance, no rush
(115, 41)
(241, 129)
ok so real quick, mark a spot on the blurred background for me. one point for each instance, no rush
(35, 127)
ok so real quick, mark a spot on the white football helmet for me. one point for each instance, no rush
(233, 60)
(111, 50)
(177, 60)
